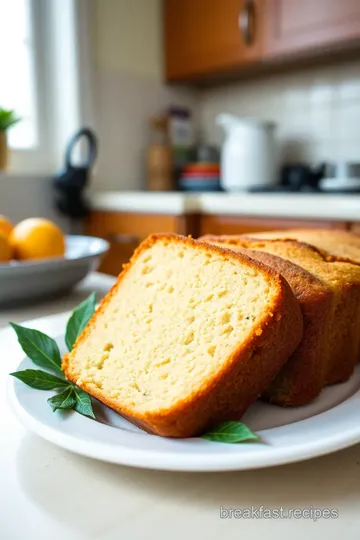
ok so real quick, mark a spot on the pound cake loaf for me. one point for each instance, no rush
(303, 376)
(335, 245)
(190, 335)
(343, 279)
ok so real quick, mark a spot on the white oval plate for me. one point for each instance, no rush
(331, 423)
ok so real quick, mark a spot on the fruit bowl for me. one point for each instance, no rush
(23, 281)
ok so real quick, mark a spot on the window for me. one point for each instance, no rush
(17, 61)
(45, 76)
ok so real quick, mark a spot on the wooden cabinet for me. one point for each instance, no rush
(217, 224)
(205, 38)
(125, 231)
(355, 228)
(294, 26)
(208, 36)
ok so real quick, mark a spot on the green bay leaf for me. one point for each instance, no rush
(39, 347)
(36, 378)
(83, 403)
(79, 319)
(64, 400)
(231, 432)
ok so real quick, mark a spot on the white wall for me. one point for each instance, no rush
(128, 36)
(129, 88)
(317, 110)
(22, 197)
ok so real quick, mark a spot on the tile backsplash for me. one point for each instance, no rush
(317, 111)
(125, 103)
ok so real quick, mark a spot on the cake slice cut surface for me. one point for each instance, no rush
(303, 376)
(340, 275)
(190, 335)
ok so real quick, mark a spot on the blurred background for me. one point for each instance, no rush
(218, 116)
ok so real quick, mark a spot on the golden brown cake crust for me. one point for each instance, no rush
(244, 376)
(334, 244)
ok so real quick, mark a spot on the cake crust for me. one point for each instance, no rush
(336, 245)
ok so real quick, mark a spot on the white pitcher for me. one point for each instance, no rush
(249, 153)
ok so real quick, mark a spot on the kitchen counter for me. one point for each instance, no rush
(290, 205)
(49, 493)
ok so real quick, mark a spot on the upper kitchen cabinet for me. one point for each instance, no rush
(295, 27)
(214, 38)
(207, 37)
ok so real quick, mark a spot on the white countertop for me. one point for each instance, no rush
(50, 494)
(306, 206)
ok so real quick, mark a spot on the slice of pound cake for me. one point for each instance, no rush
(303, 376)
(189, 336)
(343, 279)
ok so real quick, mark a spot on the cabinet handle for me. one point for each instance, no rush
(123, 239)
(247, 22)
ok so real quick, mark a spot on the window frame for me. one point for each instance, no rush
(51, 22)
(36, 159)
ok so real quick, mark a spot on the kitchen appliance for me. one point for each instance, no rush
(249, 153)
(295, 178)
(341, 177)
(301, 177)
(69, 184)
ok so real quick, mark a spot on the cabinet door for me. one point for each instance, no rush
(296, 26)
(219, 225)
(124, 232)
(210, 36)
(355, 228)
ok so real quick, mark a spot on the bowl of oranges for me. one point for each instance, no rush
(38, 260)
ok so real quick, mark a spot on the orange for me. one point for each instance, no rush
(5, 250)
(5, 225)
(37, 238)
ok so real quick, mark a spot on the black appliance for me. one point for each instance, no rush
(295, 178)
(70, 183)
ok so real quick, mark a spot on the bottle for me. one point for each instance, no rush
(160, 156)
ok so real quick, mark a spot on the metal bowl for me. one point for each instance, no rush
(26, 281)
(342, 169)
